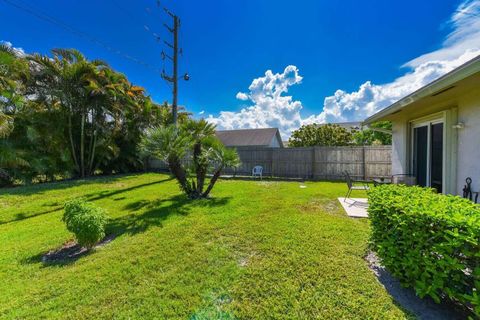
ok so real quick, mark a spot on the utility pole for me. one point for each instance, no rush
(174, 78)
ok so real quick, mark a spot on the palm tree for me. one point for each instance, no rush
(223, 157)
(170, 145)
(195, 141)
(200, 132)
(93, 99)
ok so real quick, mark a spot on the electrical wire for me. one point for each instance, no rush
(137, 20)
(52, 20)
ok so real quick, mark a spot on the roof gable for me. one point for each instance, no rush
(248, 137)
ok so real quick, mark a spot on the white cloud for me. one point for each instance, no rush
(271, 109)
(18, 51)
(242, 96)
(201, 112)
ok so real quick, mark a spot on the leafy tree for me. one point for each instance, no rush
(320, 135)
(13, 70)
(373, 137)
(68, 116)
(193, 142)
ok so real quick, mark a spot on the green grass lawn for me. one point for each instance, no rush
(257, 250)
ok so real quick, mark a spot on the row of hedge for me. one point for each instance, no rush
(428, 241)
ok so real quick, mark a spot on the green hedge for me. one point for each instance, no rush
(428, 241)
(86, 221)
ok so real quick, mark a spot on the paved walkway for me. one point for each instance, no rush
(355, 207)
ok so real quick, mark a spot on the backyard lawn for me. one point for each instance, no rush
(257, 250)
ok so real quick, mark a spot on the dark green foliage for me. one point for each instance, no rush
(428, 241)
(369, 136)
(81, 117)
(86, 221)
(194, 143)
(320, 135)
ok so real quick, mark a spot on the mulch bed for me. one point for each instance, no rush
(71, 251)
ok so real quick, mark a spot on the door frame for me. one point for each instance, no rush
(428, 121)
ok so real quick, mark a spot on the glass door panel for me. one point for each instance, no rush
(436, 162)
(420, 154)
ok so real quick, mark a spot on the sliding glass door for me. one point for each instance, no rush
(427, 154)
(420, 154)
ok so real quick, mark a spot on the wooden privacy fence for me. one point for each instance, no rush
(322, 163)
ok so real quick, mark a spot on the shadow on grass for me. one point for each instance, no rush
(90, 197)
(40, 188)
(156, 213)
(105, 193)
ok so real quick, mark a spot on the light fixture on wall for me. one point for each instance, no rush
(459, 125)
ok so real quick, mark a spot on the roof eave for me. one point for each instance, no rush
(467, 69)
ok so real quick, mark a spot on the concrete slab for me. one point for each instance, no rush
(355, 207)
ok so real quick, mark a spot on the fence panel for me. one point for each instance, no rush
(324, 163)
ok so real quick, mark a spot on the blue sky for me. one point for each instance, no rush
(330, 45)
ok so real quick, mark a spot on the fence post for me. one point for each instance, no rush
(313, 163)
(271, 161)
(364, 164)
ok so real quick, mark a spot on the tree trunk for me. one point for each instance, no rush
(72, 144)
(92, 146)
(214, 179)
(92, 157)
(82, 145)
(200, 169)
(176, 169)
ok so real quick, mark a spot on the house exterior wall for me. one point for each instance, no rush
(462, 146)
(274, 143)
(399, 146)
(468, 156)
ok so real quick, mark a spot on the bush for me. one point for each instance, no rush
(428, 241)
(86, 221)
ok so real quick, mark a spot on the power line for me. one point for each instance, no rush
(78, 33)
(137, 20)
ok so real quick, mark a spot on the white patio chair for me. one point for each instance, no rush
(257, 171)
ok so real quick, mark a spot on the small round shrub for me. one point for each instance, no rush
(86, 221)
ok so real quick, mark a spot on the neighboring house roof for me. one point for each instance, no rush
(443, 84)
(249, 137)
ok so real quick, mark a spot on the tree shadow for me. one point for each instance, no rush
(156, 212)
(105, 193)
(40, 188)
(89, 197)
(67, 254)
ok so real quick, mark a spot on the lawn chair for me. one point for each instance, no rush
(351, 185)
(257, 171)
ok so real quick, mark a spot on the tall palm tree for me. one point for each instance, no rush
(73, 82)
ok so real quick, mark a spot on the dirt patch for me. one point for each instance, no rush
(245, 260)
(424, 308)
(326, 206)
(268, 184)
(71, 251)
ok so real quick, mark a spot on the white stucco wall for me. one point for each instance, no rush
(399, 146)
(468, 156)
